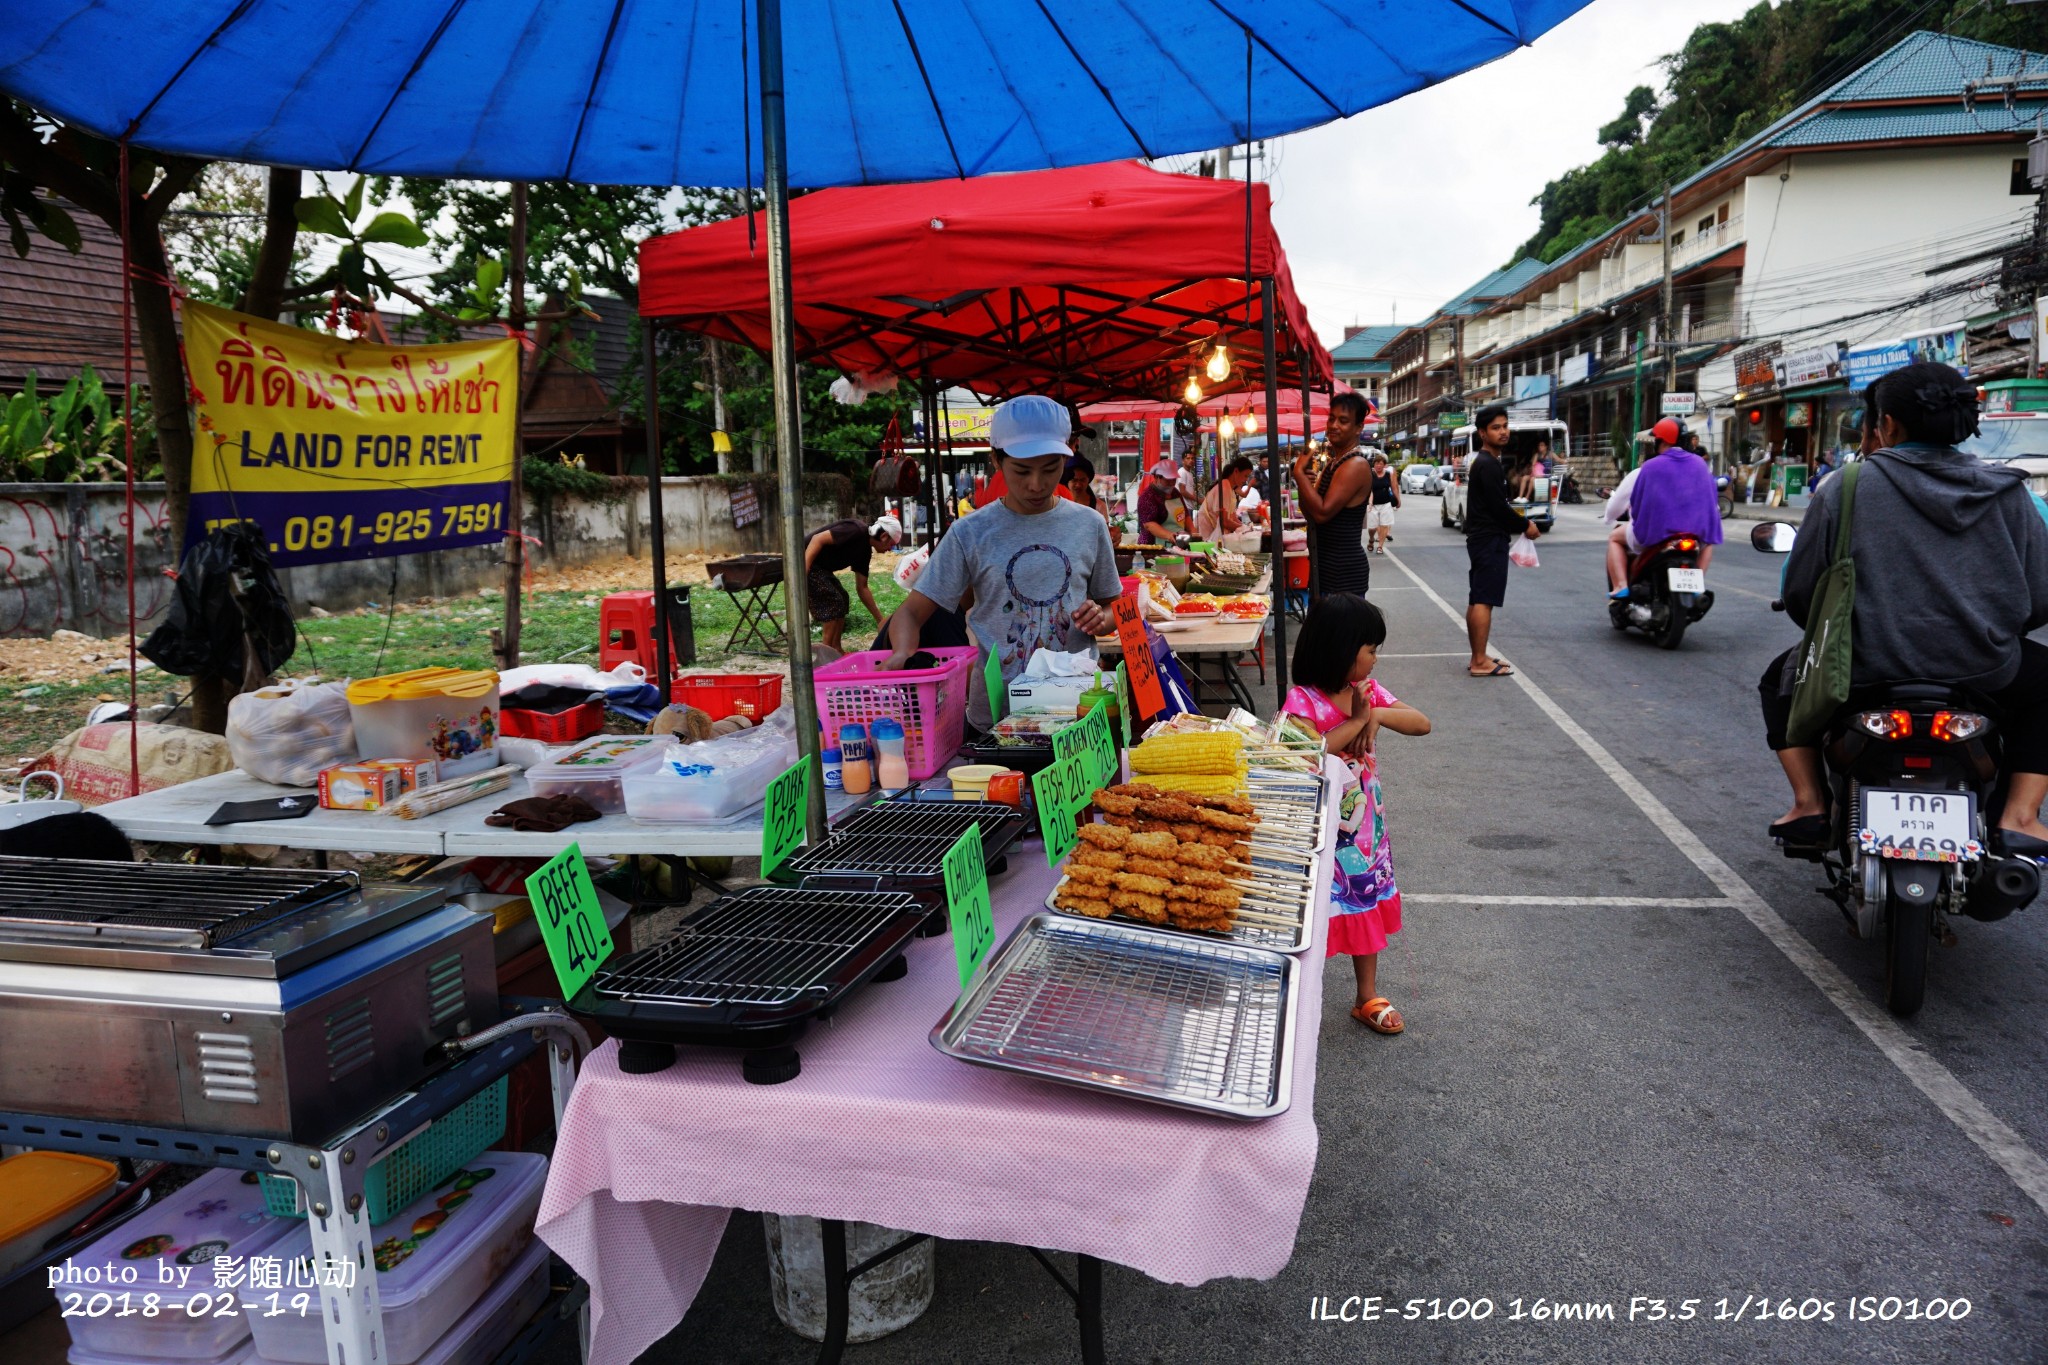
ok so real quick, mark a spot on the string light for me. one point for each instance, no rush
(1251, 424)
(1225, 429)
(1219, 363)
(1193, 392)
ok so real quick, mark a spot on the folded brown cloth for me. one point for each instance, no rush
(543, 814)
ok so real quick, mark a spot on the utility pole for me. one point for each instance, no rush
(714, 356)
(1670, 333)
(507, 638)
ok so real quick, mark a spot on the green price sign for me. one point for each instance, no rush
(571, 925)
(1062, 792)
(992, 674)
(782, 818)
(1090, 736)
(974, 923)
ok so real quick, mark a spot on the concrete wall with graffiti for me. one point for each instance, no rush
(64, 551)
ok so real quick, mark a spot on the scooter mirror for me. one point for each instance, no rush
(1773, 537)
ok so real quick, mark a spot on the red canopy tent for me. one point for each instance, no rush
(1096, 282)
(1233, 404)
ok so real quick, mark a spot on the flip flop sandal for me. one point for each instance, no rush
(1499, 670)
(1373, 1014)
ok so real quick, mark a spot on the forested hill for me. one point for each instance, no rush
(1731, 80)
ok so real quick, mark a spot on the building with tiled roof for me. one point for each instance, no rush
(1877, 212)
(1360, 360)
(1430, 378)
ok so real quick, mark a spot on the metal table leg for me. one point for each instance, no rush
(1086, 1292)
(758, 622)
(839, 1282)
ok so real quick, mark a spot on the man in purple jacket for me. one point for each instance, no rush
(1671, 494)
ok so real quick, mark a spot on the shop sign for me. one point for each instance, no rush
(1867, 364)
(1755, 367)
(1813, 365)
(1680, 404)
(571, 923)
(1534, 398)
(746, 505)
(967, 906)
(1450, 421)
(344, 450)
(1799, 413)
(1575, 370)
(783, 823)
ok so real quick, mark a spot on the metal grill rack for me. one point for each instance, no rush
(1285, 881)
(1207, 1026)
(906, 838)
(765, 946)
(161, 904)
(1297, 794)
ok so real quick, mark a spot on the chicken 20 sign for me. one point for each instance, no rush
(347, 450)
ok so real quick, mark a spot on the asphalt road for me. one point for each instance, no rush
(1646, 1072)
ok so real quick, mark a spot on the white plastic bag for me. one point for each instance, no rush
(910, 566)
(288, 733)
(1523, 552)
(627, 674)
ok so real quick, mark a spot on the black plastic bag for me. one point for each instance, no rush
(229, 617)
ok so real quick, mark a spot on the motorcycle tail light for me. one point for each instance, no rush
(1688, 543)
(1919, 761)
(1886, 724)
(1956, 726)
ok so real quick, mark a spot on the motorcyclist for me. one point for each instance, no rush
(1951, 559)
(1670, 494)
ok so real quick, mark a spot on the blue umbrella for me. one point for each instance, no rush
(666, 92)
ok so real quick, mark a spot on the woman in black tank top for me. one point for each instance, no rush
(1341, 565)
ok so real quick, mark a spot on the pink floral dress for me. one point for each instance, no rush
(1365, 905)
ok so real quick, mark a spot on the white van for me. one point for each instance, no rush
(1541, 504)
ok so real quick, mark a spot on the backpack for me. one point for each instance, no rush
(1820, 683)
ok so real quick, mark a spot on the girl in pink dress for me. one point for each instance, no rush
(1334, 660)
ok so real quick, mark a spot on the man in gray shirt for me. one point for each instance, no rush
(1032, 570)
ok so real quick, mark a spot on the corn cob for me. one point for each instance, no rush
(1213, 752)
(1199, 784)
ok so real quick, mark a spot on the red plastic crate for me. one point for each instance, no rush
(578, 722)
(719, 695)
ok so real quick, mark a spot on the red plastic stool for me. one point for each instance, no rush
(625, 624)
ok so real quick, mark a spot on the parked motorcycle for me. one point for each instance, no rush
(1914, 775)
(1667, 591)
(1724, 494)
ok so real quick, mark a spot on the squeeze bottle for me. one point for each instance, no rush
(892, 769)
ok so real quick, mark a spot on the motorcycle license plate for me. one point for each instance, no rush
(1923, 826)
(1686, 580)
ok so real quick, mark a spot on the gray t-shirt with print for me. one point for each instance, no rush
(1028, 575)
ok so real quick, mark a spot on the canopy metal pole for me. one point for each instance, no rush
(789, 440)
(657, 536)
(1315, 581)
(1273, 467)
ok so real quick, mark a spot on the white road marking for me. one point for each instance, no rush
(1448, 654)
(1993, 1136)
(1601, 902)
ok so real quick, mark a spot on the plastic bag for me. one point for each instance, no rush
(289, 733)
(627, 674)
(910, 566)
(228, 617)
(1523, 552)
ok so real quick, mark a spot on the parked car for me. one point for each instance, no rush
(1421, 478)
(2013, 429)
(1540, 507)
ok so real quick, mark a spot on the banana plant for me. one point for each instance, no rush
(76, 437)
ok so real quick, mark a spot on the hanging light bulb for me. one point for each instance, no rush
(1193, 392)
(1251, 424)
(1219, 363)
(1225, 429)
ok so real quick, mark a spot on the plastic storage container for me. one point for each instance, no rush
(243, 1353)
(480, 1334)
(219, 1214)
(43, 1193)
(930, 703)
(416, 1165)
(596, 771)
(557, 727)
(435, 1260)
(719, 695)
(715, 781)
(448, 714)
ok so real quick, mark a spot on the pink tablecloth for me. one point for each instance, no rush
(882, 1128)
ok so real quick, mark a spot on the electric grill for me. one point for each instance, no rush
(751, 970)
(254, 1001)
(904, 843)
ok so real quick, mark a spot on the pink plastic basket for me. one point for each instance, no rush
(931, 703)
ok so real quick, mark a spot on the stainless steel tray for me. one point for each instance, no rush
(1301, 797)
(1288, 878)
(1166, 1018)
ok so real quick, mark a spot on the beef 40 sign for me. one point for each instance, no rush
(345, 450)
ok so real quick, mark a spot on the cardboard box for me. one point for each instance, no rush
(413, 773)
(360, 786)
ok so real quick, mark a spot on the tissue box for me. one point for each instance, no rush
(1049, 694)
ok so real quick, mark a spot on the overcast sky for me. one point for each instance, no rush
(1406, 205)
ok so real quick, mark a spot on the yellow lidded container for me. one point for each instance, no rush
(41, 1194)
(449, 715)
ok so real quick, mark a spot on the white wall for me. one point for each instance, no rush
(1845, 232)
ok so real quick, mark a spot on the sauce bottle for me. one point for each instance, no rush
(892, 769)
(855, 772)
(829, 757)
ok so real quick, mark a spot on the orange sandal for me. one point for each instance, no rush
(1374, 1012)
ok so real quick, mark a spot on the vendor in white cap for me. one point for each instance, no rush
(1155, 522)
(1033, 570)
(839, 547)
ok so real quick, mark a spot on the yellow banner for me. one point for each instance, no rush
(348, 450)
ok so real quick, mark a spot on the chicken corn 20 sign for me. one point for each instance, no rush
(347, 450)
